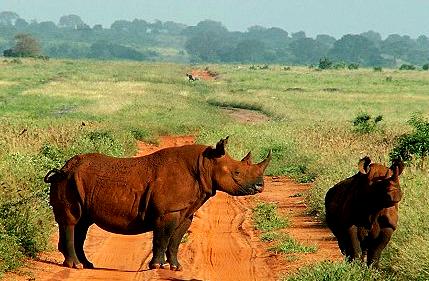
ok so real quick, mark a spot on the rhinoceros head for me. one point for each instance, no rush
(232, 176)
(383, 182)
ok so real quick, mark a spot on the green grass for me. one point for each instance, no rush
(311, 134)
(338, 271)
(287, 245)
(266, 218)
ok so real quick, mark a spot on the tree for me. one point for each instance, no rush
(356, 49)
(25, 46)
(326, 40)
(70, 21)
(8, 18)
(307, 50)
(250, 51)
(298, 35)
(373, 36)
(21, 24)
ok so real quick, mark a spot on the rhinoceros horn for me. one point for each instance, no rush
(263, 165)
(247, 158)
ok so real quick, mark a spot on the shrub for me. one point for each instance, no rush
(363, 123)
(325, 63)
(425, 66)
(378, 69)
(407, 67)
(414, 145)
(340, 65)
(353, 66)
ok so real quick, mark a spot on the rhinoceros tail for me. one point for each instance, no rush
(54, 175)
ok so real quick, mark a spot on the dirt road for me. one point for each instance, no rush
(221, 244)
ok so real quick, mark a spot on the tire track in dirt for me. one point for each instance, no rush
(221, 245)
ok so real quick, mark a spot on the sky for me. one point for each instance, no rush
(333, 17)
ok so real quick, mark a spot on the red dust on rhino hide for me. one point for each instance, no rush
(159, 192)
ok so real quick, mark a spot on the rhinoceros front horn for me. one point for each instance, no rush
(264, 164)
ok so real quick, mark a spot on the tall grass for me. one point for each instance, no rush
(54, 109)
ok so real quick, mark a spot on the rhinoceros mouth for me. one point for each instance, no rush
(250, 189)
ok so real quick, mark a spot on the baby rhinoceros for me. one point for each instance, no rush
(159, 192)
(362, 211)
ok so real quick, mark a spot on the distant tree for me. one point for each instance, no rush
(298, 35)
(375, 37)
(121, 25)
(398, 46)
(326, 40)
(356, 49)
(70, 21)
(250, 51)
(308, 50)
(47, 26)
(97, 27)
(8, 18)
(25, 46)
(273, 37)
(21, 24)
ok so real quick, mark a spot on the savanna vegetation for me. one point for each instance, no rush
(210, 41)
(51, 110)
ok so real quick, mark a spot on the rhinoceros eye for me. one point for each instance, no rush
(236, 172)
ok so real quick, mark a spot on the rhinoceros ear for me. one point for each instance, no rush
(364, 165)
(397, 167)
(218, 150)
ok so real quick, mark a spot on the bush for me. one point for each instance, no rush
(325, 63)
(414, 145)
(425, 66)
(340, 65)
(407, 67)
(378, 69)
(363, 123)
(353, 66)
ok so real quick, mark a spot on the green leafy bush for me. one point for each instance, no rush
(407, 67)
(425, 66)
(415, 145)
(353, 66)
(325, 63)
(363, 123)
(378, 69)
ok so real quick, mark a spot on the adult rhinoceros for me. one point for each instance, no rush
(159, 192)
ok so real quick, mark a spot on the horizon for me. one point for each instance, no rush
(187, 12)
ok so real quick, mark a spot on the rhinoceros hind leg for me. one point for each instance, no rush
(173, 246)
(71, 259)
(162, 233)
(81, 230)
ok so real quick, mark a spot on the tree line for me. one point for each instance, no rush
(208, 41)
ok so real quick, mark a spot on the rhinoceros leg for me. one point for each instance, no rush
(71, 259)
(81, 230)
(164, 228)
(377, 245)
(175, 240)
(352, 244)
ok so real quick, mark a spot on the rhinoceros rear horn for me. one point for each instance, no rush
(364, 165)
(247, 158)
(263, 165)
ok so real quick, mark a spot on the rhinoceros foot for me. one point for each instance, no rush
(72, 264)
(177, 267)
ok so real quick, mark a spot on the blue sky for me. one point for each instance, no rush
(334, 17)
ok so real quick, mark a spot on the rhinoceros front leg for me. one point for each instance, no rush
(175, 240)
(162, 233)
(376, 246)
